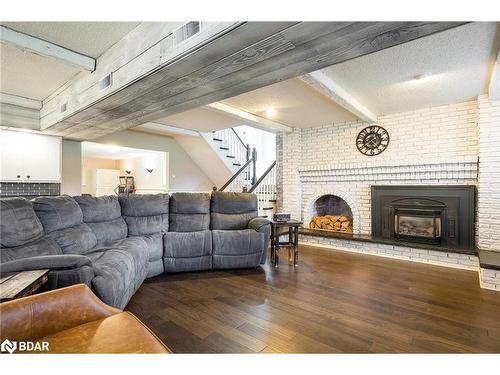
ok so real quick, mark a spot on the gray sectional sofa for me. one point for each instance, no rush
(113, 244)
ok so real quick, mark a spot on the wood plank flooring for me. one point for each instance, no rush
(334, 302)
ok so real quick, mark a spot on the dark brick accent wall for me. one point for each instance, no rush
(28, 189)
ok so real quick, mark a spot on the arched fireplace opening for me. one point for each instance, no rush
(330, 212)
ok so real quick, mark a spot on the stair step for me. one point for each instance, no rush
(224, 148)
(217, 139)
(272, 200)
(267, 208)
(230, 156)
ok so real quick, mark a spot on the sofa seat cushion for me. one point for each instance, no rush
(119, 270)
(189, 212)
(187, 251)
(43, 246)
(237, 248)
(187, 244)
(19, 224)
(120, 333)
(57, 213)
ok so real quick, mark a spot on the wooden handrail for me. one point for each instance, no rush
(237, 136)
(254, 186)
(234, 176)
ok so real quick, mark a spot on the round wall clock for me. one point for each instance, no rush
(372, 140)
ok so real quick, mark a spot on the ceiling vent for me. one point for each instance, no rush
(106, 82)
(186, 32)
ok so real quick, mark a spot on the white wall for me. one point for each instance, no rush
(147, 182)
(71, 177)
(89, 165)
(489, 176)
(184, 174)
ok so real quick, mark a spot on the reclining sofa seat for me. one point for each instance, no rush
(188, 243)
(240, 237)
(120, 263)
(147, 216)
(25, 246)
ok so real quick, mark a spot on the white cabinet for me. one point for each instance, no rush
(29, 157)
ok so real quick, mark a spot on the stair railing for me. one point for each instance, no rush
(234, 146)
(265, 188)
(244, 178)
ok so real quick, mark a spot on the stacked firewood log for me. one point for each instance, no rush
(332, 222)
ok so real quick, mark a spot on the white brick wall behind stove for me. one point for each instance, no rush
(489, 176)
(438, 132)
(444, 134)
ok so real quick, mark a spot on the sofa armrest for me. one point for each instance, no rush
(65, 270)
(51, 262)
(257, 223)
(262, 225)
(40, 315)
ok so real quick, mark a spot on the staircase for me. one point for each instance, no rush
(245, 180)
(265, 189)
(234, 165)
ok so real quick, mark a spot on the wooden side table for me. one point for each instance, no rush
(293, 241)
(21, 284)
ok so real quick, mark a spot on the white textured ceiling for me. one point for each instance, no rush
(296, 104)
(88, 38)
(29, 75)
(33, 76)
(458, 62)
(111, 152)
(200, 119)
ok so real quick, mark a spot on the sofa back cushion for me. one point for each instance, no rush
(189, 212)
(57, 212)
(103, 216)
(145, 214)
(230, 211)
(62, 220)
(18, 222)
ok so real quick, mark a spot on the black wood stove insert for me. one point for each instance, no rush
(439, 215)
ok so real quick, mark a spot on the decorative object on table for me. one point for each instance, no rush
(282, 217)
(372, 140)
(15, 285)
(292, 227)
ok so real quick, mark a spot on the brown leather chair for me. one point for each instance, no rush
(74, 320)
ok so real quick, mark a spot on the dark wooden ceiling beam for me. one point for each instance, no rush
(293, 51)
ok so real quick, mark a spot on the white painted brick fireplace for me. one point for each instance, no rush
(432, 146)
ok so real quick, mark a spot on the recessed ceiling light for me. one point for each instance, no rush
(270, 112)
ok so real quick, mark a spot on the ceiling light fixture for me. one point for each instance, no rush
(270, 112)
